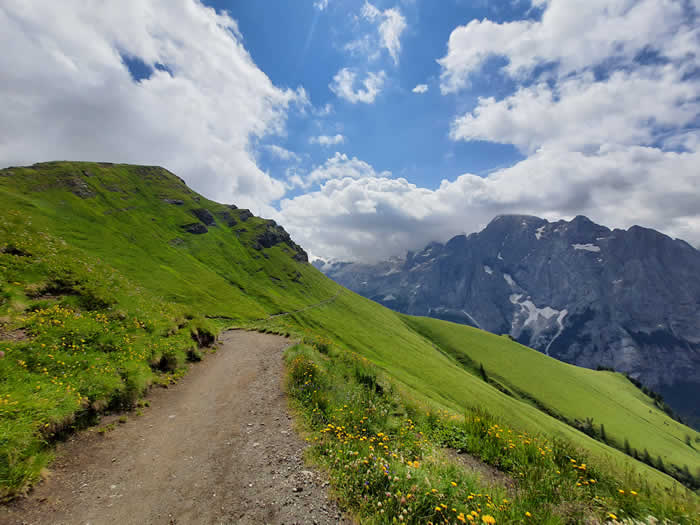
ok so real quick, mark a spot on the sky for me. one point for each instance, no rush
(370, 128)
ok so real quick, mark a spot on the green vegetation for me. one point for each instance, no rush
(386, 458)
(597, 402)
(104, 291)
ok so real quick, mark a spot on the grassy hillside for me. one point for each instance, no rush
(433, 377)
(111, 276)
(569, 392)
(133, 217)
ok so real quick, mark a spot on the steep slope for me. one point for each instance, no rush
(149, 225)
(108, 270)
(577, 291)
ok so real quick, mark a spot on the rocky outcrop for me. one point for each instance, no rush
(205, 216)
(227, 218)
(196, 227)
(244, 214)
(274, 234)
(578, 291)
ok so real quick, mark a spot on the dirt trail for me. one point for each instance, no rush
(218, 447)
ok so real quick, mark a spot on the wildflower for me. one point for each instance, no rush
(488, 519)
(453, 483)
(621, 491)
(633, 492)
(527, 514)
(612, 516)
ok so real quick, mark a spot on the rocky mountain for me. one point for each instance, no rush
(577, 291)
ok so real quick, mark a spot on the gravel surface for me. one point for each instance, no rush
(218, 447)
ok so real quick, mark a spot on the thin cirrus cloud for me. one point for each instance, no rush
(327, 140)
(604, 133)
(391, 25)
(76, 68)
(282, 153)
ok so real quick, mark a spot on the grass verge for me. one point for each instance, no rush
(386, 460)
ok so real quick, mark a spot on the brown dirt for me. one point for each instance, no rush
(218, 447)
(13, 335)
(488, 474)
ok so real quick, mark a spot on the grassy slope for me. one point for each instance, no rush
(430, 376)
(127, 224)
(567, 390)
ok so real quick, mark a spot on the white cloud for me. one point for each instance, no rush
(323, 111)
(391, 25)
(572, 36)
(67, 94)
(327, 140)
(583, 114)
(420, 88)
(343, 85)
(321, 4)
(605, 136)
(282, 153)
(356, 214)
(340, 166)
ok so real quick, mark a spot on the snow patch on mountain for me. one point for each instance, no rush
(586, 247)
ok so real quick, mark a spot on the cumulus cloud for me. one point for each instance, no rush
(327, 140)
(339, 166)
(571, 36)
(356, 215)
(582, 114)
(605, 109)
(321, 4)
(67, 93)
(420, 88)
(343, 85)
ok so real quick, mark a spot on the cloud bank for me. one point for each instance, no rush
(67, 92)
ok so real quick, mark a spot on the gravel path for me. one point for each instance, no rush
(218, 447)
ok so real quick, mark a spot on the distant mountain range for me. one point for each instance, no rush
(580, 292)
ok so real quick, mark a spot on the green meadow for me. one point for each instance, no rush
(104, 293)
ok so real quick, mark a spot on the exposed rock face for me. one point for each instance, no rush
(205, 216)
(176, 202)
(196, 227)
(244, 214)
(228, 218)
(578, 291)
(275, 234)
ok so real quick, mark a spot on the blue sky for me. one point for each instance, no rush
(370, 128)
(297, 44)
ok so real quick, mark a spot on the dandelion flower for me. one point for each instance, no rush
(488, 519)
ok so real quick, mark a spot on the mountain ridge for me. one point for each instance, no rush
(578, 291)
